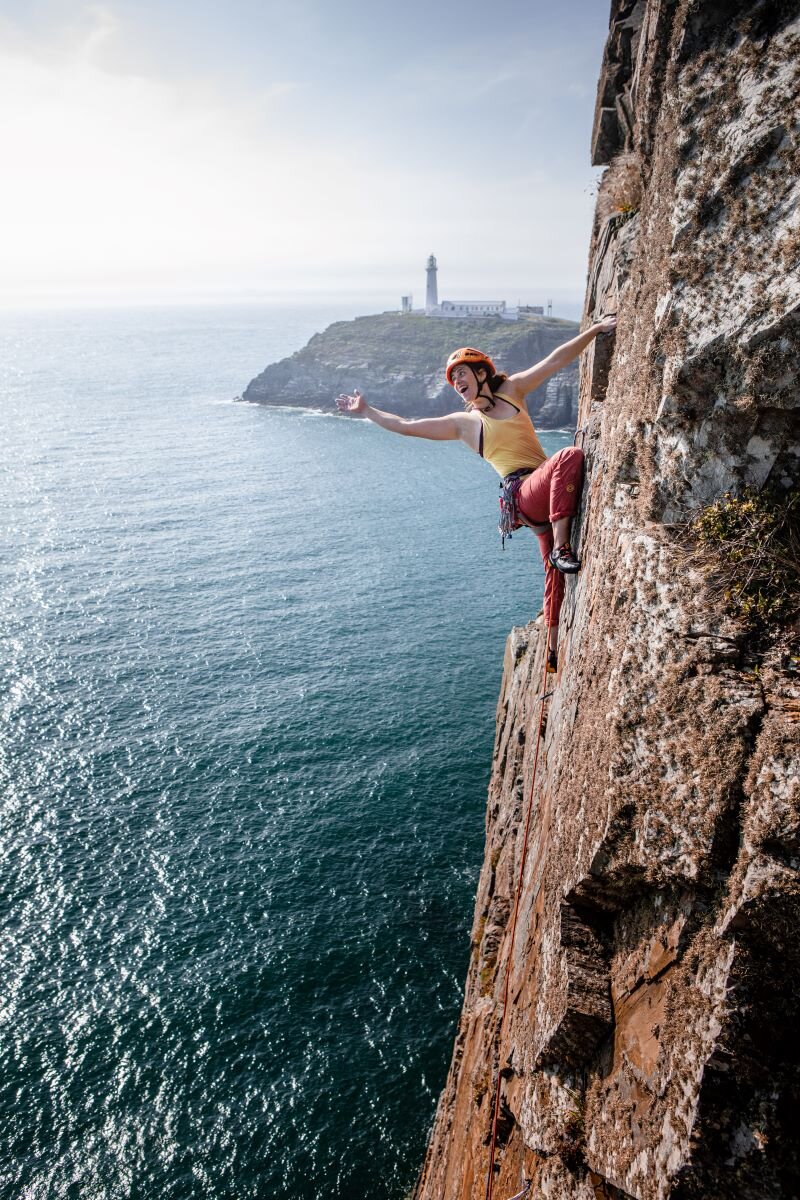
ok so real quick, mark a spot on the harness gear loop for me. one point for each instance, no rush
(490, 1174)
(510, 517)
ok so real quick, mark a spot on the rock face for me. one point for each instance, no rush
(398, 362)
(648, 1049)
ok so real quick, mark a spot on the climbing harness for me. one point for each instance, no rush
(490, 1176)
(511, 518)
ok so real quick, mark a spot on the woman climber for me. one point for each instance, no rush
(537, 491)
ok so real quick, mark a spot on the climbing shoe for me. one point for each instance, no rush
(552, 661)
(563, 559)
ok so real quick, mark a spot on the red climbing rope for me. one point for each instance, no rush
(543, 698)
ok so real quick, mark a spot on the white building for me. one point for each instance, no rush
(472, 308)
(456, 308)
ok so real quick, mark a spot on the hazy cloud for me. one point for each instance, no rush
(126, 178)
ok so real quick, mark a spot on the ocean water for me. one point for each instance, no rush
(249, 663)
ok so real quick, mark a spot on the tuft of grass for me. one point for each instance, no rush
(621, 188)
(479, 932)
(487, 978)
(572, 1138)
(625, 188)
(748, 547)
(480, 1087)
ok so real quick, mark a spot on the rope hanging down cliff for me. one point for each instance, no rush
(490, 1175)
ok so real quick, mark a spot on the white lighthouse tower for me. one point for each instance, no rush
(432, 289)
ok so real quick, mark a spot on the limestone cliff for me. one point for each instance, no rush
(649, 1048)
(398, 362)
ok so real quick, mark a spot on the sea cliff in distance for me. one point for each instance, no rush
(397, 360)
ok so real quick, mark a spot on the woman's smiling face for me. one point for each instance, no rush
(466, 384)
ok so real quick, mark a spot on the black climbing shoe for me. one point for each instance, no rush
(552, 661)
(563, 559)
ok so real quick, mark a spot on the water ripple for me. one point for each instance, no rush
(249, 669)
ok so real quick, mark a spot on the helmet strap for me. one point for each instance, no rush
(481, 386)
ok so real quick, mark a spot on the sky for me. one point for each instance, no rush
(157, 150)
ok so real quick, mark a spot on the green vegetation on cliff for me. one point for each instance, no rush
(398, 361)
(748, 547)
(412, 341)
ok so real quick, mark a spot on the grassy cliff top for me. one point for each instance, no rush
(407, 340)
(398, 359)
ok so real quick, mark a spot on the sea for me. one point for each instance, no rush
(249, 664)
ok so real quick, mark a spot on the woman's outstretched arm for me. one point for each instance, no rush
(439, 429)
(526, 381)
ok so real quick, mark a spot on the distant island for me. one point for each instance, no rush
(397, 359)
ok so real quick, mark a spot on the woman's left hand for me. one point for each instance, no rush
(606, 324)
(351, 404)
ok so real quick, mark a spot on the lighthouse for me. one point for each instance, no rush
(432, 290)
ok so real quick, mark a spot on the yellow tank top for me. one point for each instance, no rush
(510, 444)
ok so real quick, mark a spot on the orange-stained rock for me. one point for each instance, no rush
(649, 1046)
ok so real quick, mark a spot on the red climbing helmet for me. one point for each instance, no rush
(471, 356)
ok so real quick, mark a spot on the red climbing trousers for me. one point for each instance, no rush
(548, 494)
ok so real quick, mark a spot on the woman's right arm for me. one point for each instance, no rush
(452, 427)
